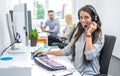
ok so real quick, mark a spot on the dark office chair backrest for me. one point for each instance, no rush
(106, 53)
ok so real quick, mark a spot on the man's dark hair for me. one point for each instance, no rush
(50, 11)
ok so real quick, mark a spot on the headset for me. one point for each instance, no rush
(94, 14)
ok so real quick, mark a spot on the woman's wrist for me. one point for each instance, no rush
(47, 52)
(88, 34)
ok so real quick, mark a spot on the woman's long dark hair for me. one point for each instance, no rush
(91, 11)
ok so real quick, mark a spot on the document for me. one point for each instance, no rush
(42, 49)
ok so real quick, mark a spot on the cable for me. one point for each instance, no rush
(7, 48)
(16, 40)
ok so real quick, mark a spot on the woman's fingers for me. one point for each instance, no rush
(39, 53)
(94, 25)
(35, 54)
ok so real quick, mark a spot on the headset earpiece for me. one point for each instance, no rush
(95, 16)
(79, 14)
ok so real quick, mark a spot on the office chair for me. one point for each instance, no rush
(106, 54)
(63, 44)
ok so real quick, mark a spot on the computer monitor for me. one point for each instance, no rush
(11, 29)
(20, 21)
(19, 25)
(29, 22)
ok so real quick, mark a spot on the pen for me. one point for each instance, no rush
(36, 50)
(49, 49)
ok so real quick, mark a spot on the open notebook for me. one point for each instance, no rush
(42, 49)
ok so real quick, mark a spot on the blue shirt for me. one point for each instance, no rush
(54, 26)
(92, 55)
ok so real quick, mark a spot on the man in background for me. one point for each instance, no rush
(54, 28)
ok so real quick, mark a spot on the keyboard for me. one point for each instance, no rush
(49, 63)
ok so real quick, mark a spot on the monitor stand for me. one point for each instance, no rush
(18, 48)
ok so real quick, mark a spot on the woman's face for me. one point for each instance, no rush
(85, 19)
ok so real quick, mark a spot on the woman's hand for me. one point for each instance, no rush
(92, 27)
(39, 53)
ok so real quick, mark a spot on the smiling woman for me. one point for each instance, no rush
(86, 44)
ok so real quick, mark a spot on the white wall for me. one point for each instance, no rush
(110, 15)
(5, 6)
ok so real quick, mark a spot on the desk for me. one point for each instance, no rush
(38, 70)
(22, 65)
(19, 66)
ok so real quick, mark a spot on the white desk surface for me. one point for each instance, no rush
(22, 65)
(38, 70)
(18, 66)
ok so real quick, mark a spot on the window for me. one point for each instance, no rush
(38, 9)
(60, 7)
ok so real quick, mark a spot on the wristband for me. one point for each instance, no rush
(88, 35)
